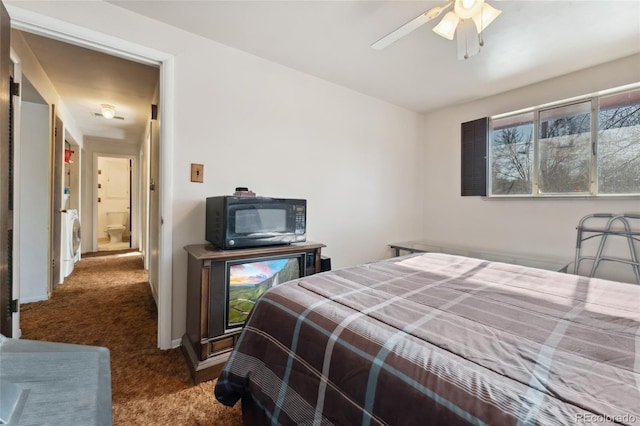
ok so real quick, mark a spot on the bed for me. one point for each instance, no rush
(437, 339)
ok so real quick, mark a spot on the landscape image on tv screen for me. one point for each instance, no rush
(248, 280)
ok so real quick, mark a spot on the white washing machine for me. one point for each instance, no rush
(70, 240)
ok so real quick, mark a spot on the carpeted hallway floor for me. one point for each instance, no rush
(106, 301)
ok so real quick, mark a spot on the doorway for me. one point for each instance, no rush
(114, 181)
(158, 253)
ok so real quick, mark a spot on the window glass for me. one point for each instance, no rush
(619, 143)
(512, 155)
(586, 147)
(565, 149)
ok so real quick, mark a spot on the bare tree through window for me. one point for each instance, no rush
(565, 145)
(568, 160)
(619, 143)
(512, 155)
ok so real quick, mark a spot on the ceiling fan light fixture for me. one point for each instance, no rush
(466, 9)
(485, 17)
(465, 21)
(447, 26)
(108, 111)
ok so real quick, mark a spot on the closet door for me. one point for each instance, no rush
(7, 305)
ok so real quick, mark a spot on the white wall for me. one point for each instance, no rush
(537, 227)
(34, 193)
(286, 134)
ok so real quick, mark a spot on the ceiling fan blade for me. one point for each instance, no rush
(410, 26)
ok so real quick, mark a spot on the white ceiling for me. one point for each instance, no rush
(531, 41)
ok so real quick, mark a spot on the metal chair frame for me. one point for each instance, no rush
(624, 230)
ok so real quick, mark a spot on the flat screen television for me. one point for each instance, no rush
(246, 280)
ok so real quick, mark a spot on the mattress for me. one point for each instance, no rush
(441, 340)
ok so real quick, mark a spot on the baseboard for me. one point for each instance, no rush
(176, 343)
(154, 293)
(24, 300)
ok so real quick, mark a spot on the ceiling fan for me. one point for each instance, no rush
(468, 19)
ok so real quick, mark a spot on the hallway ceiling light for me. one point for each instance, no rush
(108, 111)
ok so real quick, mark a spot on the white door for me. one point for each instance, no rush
(15, 129)
(6, 192)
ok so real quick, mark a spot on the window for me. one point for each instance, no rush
(587, 147)
(619, 143)
(512, 155)
(564, 147)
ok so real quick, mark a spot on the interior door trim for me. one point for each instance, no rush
(53, 28)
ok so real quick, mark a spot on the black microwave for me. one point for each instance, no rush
(239, 222)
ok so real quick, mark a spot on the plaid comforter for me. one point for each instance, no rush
(435, 339)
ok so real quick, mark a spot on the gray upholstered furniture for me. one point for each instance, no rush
(45, 383)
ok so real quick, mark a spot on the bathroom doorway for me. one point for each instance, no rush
(114, 176)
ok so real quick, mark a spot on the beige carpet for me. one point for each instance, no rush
(106, 301)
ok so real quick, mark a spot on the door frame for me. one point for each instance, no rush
(16, 331)
(56, 178)
(55, 29)
(134, 197)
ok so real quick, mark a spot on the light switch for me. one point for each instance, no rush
(197, 172)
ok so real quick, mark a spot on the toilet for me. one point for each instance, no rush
(116, 222)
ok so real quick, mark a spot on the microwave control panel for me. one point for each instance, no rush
(301, 218)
